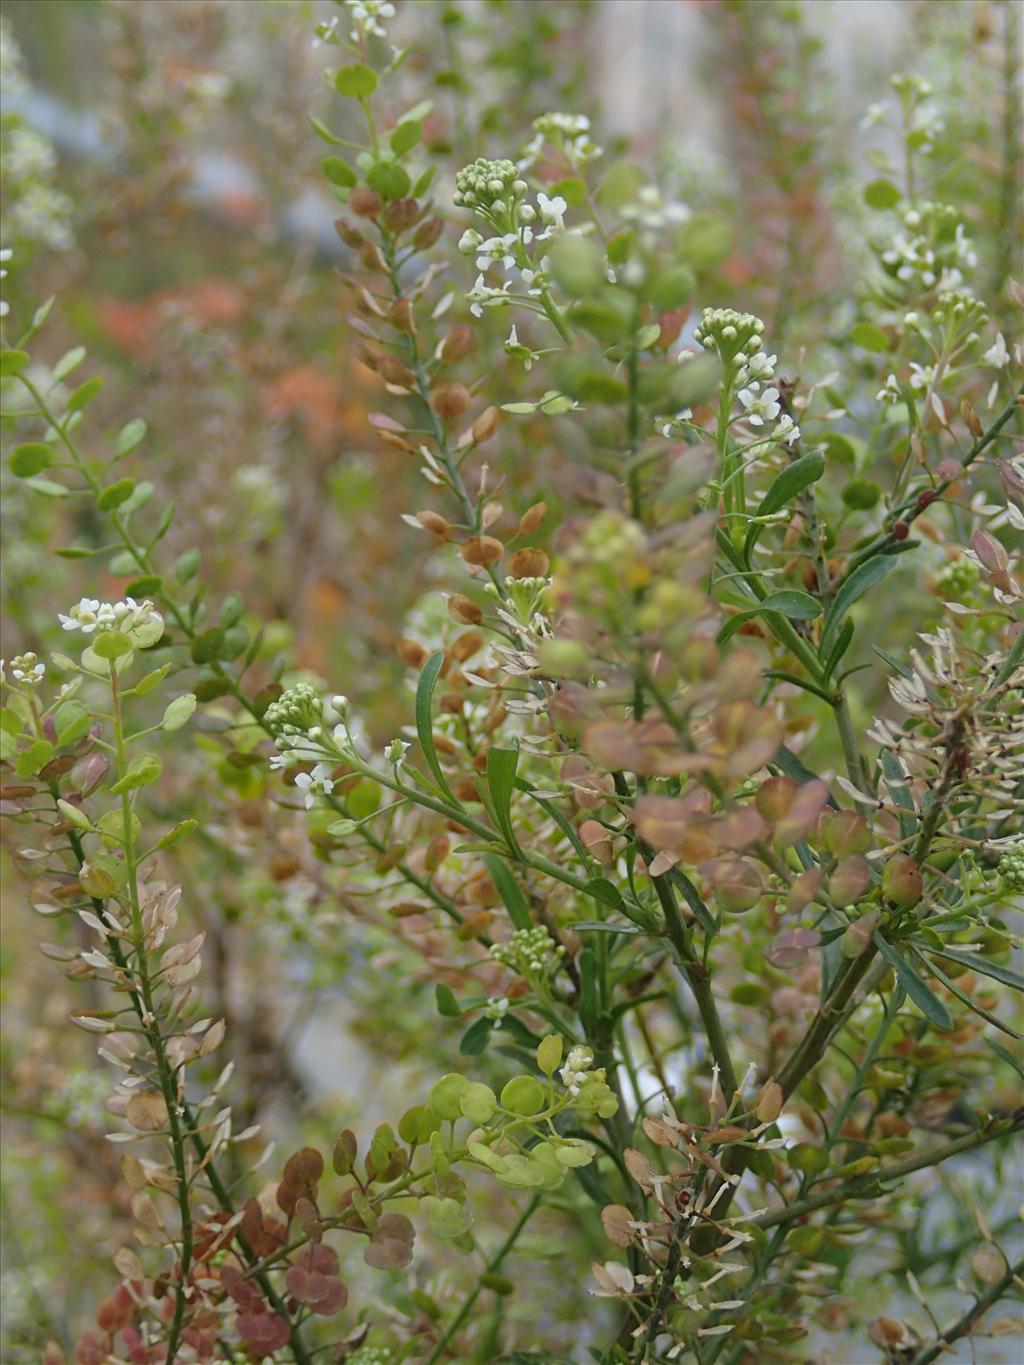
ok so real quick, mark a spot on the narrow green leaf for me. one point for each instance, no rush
(963, 997)
(900, 792)
(865, 576)
(981, 964)
(1007, 1056)
(501, 781)
(793, 480)
(424, 720)
(509, 890)
(915, 986)
(12, 362)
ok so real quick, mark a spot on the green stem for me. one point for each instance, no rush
(493, 1266)
(963, 1324)
(168, 1083)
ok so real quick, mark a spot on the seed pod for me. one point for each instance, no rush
(970, 416)
(365, 202)
(400, 315)
(399, 443)
(437, 851)
(411, 652)
(901, 881)
(450, 401)
(350, 235)
(528, 563)
(401, 214)
(466, 646)
(597, 841)
(485, 425)
(392, 372)
(371, 259)
(435, 523)
(532, 518)
(460, 341)
(427, 233)
(464, 610)
(482, 550)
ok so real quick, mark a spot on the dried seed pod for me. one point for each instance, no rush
(464, 610)
(532, 518)
(400, 315)
(460, 341)
(392, 372)
(467, 645)
(528, 563)
(427, 233)
(435, 523)
(350, 235)
(485, 425)
(401, 214)
(365, 202)
(411, 652)
(450, 401)
(482, 550)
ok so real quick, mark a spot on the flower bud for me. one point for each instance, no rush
(902, 883)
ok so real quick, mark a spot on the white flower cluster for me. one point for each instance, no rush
(493, 190)
(530, 952)
(652, 211)
(140, 621)
(298, 722)
(569, 133)
(496, 1008)
(737, 338)
(924, 257)
(366, 17)
(574, 1072)
(25, 669)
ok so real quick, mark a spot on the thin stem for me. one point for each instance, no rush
(493, 1266)
(963, 1324)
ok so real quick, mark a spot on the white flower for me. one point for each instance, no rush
(889, 392)
(760, 406)
(552, 210)
(25, 669)
(786, 430)
(997, 355)
(470, 241)
(921, 376)
(314, 784)
(138, 620)
(396, 751)
(496, 1008)
(365, 15)
(574, 1072)
(482, 296)
(5, 255)
(874, 114)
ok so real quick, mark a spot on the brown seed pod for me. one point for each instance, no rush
(411, 652)
(482, 550)
(365, 202)
(532, 518)
(466, 646)
(400, 315)
(427, 233)
(401, 214)
(450, 401)
(464, 610)
(460, 341)
(528, 563)
(485, 425)
(435, 523)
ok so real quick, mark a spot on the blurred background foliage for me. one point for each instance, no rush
(160, 176)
